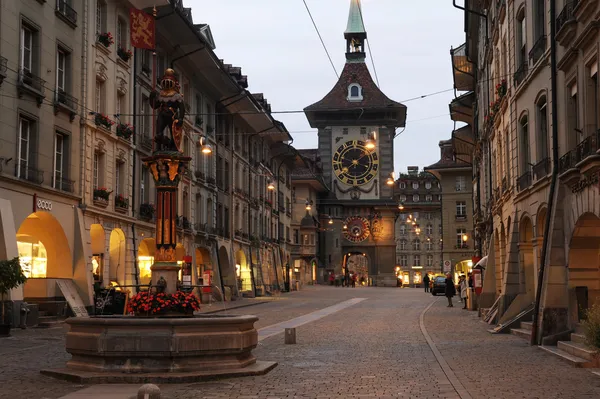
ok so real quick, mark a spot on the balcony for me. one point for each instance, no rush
(541, 169)
(67, 13)
(588, 153)
(200, 175)
(521, 74)
(29, 173)
(524, 181)
(504, 185)
(31, 84)
(146, 212)
(304, 250)
(65, 102)
(3, 62)
(65, 185)
(566, 23)
(538, 49)
(463, 70)
(461, 217)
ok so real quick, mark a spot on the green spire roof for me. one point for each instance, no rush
(355, 20)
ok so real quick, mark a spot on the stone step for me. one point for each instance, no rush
(567, 357)
(522, 333)
(580, 338)
(578, 349)
(50, 321)
(527, 325)
(578, 327)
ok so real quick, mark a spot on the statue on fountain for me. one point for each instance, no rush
(171, 111)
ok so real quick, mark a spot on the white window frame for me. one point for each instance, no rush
(459, 237)
(24, 140)
(96, 170)
(99, 96)
(59, 152)
(416, 198)
(61, 69)
(461, 183)
(402, 185)
(100, 8)
(360, 92)
(417, 260)
(27, 49)
(121, 32)
(415, 185)
(461, 208)
(428, 185)
(429, 260)
(429, 229)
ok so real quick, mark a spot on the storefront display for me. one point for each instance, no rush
(98, 267)
(417, 278)
(34, 259)
(144, 265)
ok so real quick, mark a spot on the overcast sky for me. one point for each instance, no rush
(277, 46)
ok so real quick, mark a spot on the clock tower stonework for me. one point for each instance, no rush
(356, 122)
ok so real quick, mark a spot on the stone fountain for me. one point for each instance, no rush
(169, 348)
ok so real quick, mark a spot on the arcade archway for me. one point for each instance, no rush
(243, 272)
(356, 263)
(44, 253)
(116, 254)
(584, 264)
(98, 244)
(526, 257)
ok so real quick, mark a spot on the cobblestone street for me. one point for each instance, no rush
(373, 348)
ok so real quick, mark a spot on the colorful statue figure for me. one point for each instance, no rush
(171, 110)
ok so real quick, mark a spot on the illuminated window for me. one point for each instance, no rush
(144, 264)
(33, 258)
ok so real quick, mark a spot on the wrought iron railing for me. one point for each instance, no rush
(542, 168)
(567, 161)
(64, 184)
(524, 181)
(504, 184)
(566, 15)
(521, 73)
(538, 49)
(32, 81)
(588, 146)
(64, 8)
(61, 97)
(29, 173)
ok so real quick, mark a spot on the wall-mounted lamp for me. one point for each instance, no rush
(204, 146)
(270, 185)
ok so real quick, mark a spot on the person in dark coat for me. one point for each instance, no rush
(426, 282)
(450, 289)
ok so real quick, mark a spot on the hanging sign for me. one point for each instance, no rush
(477, 281)
(447, 266)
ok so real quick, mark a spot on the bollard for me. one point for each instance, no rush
(148, 391)
(290, 336)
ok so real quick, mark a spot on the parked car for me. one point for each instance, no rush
(439, 285)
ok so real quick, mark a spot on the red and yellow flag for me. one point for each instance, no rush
(142, 29)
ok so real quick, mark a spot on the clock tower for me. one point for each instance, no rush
(356, 122)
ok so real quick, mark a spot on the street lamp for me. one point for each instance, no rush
(270, 186)
(401, 205)
(390, 179)
(308, 205)
(465, 238)
(204, 146)
(330, 220)
(345, 226)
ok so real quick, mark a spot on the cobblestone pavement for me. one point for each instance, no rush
(373, 349)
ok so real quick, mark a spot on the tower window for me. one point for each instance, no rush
(355, 92)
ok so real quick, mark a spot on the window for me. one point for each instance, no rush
(415, 185)
(525, 154)
(403, 245)
(429, 229)
(100, 17)
(416, 198)
(402, 185)
(521, 39)
(539, 27)
(296, 236)
(429, 198)
(121, 33)
(542, 141)
(27, 49)
(25, 148)
(403, 198)
(355, 92)
(575, 136)
(198, 119)
(99, 100)
(461, 208)
(403, 229)
(146, 62)
(429, 216)
(429, 245)
(403, 260)
(61, 70)
(460, 233)
(98, 172)
(461, 183)
(144, 188)
(429, 260)
(60, 162)
(428, 185)
(591, 110)
(416, 245)
(145, 116)
(417, 260)
(119, 178)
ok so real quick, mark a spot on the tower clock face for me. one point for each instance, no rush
(354, 164)
(356, 229)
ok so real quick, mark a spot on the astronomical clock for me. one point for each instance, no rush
(356, 229)
(354, 164)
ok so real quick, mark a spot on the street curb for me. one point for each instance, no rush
(458, 387)
(236, 307)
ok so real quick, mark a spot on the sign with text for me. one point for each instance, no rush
(447, 266)
(69, 290)
(477, 281)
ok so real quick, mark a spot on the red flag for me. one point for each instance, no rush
(142, 29)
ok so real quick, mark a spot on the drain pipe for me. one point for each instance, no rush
(553, 84)
(136, 271)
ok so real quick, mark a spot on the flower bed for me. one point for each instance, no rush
(156, 304)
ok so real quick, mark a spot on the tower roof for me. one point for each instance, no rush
(355, 19)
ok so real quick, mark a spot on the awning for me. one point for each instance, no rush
(482, 263)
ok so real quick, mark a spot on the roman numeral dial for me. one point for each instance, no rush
(354, 164)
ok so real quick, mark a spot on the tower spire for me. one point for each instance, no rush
(355, 34)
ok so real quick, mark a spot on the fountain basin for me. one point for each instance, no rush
(126, 349)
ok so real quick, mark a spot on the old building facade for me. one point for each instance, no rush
(418, 227)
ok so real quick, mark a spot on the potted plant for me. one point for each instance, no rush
(11, 276)
(102, 120)
(124, 131)
(124, 54)
(151, 304)
(101, 193)
(147, 211)
(121, 202)
(106, 39)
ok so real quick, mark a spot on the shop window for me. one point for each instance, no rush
(33, 257)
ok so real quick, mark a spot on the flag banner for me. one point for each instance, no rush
(141, 26)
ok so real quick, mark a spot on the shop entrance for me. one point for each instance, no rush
(44, 253)
(584, 265)
(116, 264)
(146, 260)
(98, 244)
(243, 272)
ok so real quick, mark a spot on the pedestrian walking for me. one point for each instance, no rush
(426, 282)
(464, 289)
(331, 278)
(354, 278)
(450, 289)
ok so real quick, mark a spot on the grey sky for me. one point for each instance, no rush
(277, 47)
